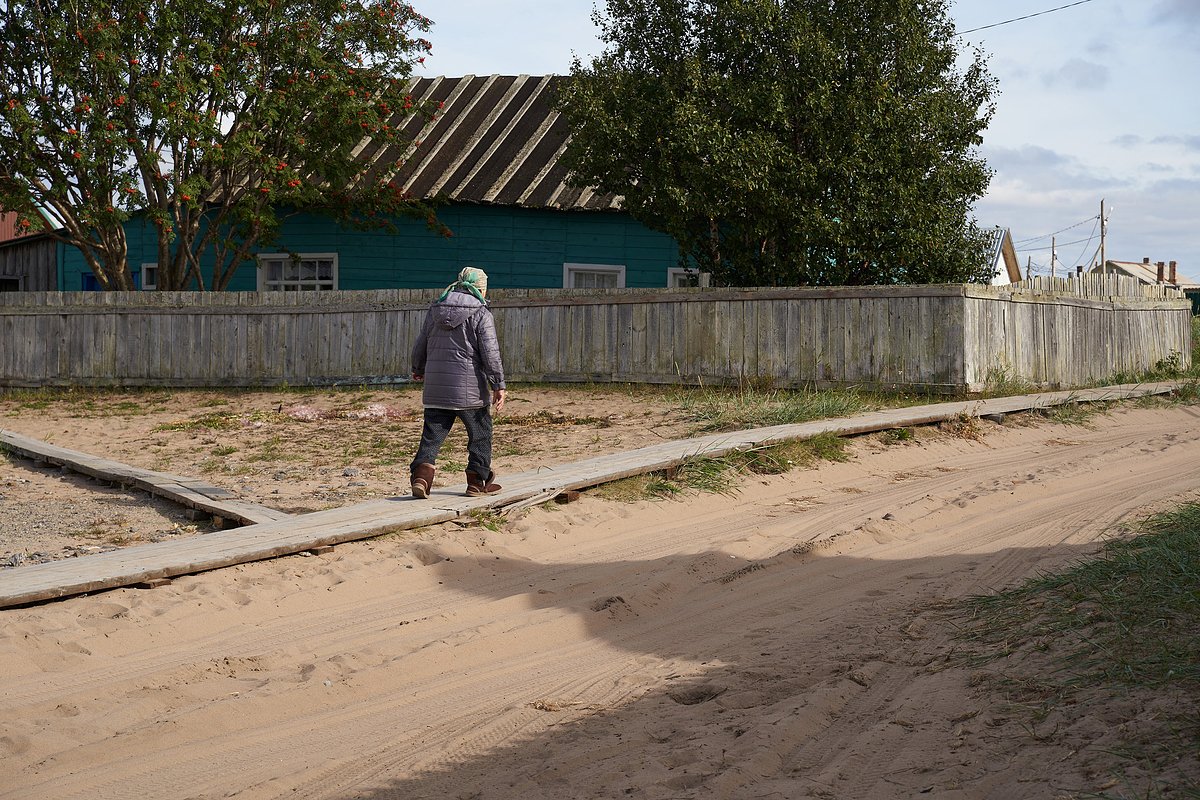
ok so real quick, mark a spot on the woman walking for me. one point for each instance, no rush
(457, 356)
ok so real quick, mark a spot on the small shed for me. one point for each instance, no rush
(29, 263)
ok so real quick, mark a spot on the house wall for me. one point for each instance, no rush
(930, 338)
(517, 247)
(31, 262)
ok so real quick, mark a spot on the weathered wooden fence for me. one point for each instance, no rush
(935, 338)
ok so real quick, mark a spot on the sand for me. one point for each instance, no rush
(790, 640)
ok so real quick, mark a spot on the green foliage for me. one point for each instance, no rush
(802, 142)
(209, 116)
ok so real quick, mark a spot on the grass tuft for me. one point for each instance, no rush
(1001, 381)
(721, 474)
(962, 426)
(724, 409)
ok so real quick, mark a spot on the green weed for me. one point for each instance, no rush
(1001, 381)
(722, 474)
(216, 421)
(963, 426)
(1075, 413)
(723, 409)
(897, 435)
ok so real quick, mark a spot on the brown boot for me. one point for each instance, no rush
(422, 480)
(478, 486)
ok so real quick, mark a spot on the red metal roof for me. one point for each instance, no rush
(8, 226)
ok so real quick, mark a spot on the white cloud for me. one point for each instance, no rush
(1079, 74)
(1186, 141)
(1177, 12)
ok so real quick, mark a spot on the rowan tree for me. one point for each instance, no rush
(790, 142)
(215, 118)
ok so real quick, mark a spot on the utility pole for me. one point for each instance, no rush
(1103, 231)
(1053, 254)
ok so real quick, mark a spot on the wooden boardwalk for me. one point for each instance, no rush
(189, 492)
(285, 535)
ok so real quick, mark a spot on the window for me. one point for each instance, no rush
(149, 276)
(303, 272)
(10, 284)
(678, 278)
(593, 276)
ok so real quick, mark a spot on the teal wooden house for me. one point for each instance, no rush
(492, 155)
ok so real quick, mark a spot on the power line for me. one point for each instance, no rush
(1027, 16)
(1060, 244)
(1055, 233)
(1079, 260)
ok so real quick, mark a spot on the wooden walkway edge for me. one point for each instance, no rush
(189, 492)
(272, 538)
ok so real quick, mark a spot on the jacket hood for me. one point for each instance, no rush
(456, 309)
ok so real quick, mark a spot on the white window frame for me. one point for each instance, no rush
(570, 271)
(296, 284)
(147, 268)
(674, 274)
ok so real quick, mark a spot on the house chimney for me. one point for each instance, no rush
(1079, 270)
(1145, 260)
(1173, 274)
(1161, 266)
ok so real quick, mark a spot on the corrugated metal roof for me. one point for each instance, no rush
(1002, 256)
(995, 243)
(496, 140)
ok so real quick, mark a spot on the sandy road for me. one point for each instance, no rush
(785, 642)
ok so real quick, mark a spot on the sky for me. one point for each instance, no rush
(1099, 101)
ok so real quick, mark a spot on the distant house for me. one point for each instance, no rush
(1161, 272)
(1003, 258)
(492, 156)
(1166, 273)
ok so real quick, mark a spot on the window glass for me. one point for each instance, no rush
(593, 276)
(305, 273)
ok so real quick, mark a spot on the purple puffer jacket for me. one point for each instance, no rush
(458, 353)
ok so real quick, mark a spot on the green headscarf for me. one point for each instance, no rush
(473, 279)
